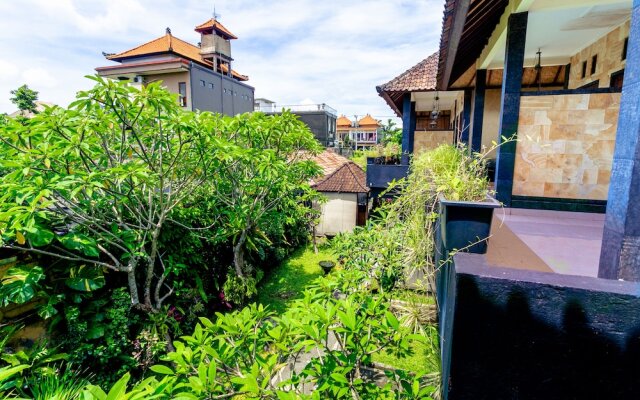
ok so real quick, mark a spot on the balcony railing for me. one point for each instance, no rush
(381, 172)
(296, 108)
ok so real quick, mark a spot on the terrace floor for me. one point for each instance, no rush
(563, 242)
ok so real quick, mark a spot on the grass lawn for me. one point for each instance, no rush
(287, 282)
(425, 356)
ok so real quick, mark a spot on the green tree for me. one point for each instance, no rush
(94, 185)
(262, 175)
(25, 99)
(391, 133)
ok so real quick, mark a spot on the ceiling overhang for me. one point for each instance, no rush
(559, 29)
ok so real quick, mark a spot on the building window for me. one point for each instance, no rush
(584, 69)
(211, 86)
(594, 64)
(624, 48)
(182, 91)
(202, 83)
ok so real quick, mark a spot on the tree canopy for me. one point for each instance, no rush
(25, 99)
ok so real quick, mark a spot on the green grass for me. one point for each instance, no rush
(287, 282)
(424, 356)
(412, 296)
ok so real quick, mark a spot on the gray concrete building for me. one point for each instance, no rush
(201, 74)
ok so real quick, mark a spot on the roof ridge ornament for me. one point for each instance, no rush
(170, 39)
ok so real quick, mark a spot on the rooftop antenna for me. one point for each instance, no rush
(216, 16)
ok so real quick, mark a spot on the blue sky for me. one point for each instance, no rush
(294, 51)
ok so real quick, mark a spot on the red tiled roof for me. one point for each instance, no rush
(169, 43)
(420, 77)
(217, 26)
(339, 174)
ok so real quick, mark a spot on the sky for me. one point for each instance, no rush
(294, 51)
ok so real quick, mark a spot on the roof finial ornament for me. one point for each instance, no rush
(215, 15)
(168, 31)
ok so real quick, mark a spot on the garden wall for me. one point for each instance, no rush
(535, 335)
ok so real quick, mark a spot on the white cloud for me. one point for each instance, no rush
(8, 71)
(332, 52)
(39, 77)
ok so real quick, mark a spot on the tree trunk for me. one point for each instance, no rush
(238, 255)
(131, 279)
(151, 264)
(313, 239)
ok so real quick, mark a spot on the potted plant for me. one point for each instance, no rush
(465, 200)
(465, 225)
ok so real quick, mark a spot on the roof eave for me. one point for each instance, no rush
(385, 95)
(457, 11)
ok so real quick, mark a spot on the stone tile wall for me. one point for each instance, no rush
(609, 59)
(565, 146)
(427, 140)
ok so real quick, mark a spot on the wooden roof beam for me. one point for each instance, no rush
(461, 9)
(498, 38)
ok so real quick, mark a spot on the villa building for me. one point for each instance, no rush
(552, 307)
(360, 134)
(201, 75)
(342, 182)
(429, 118)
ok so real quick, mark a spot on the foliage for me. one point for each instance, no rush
(374, 249)
(19, 369)
(399, 242)
(454, 173)
(21, 284)
(109, 183)
(237, 288)
(388, 151)
(251, 352)
(262, 175)
(391, 134)
(98, 334)
(285, 284)
(95, 184)
(57, 385)
(25, 99)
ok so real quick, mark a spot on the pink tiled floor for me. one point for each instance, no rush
(566, 242)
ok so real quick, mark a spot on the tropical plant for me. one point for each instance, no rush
(97, 334)
(317, 349)
(264, 167)
(95, 184)
(391, 134)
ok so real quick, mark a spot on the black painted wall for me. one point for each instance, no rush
(228, 96)
(321, 123)
(533, 335)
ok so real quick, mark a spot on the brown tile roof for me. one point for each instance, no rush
(343, 121)
(339, 174)
(217, 26)
(420, 77)
(169, 43)
(368, 121)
